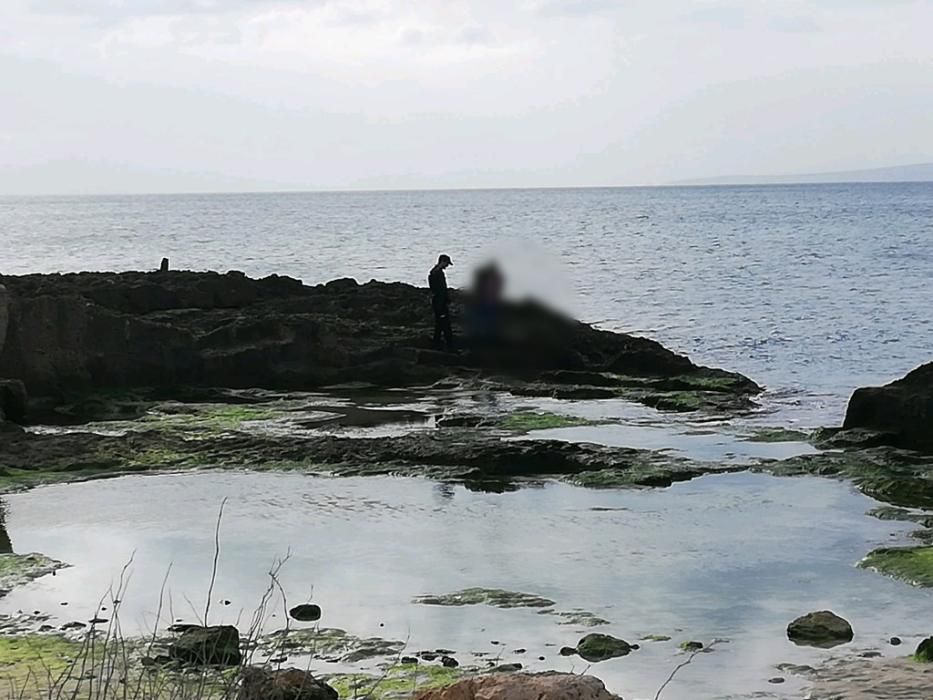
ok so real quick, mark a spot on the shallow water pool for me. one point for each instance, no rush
(732, 557)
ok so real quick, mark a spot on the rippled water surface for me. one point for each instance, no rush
(731, 557)
(812, 290)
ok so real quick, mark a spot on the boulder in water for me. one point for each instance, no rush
(820, 629)
(901, 411)
(523, 686)
(600, 647)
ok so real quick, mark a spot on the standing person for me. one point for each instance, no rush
(440, 302)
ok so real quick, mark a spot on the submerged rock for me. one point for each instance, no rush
(523, 686)
(902, 411)
(600, 647)
(822, 629)
(494, 597)
(207, 646)
(284, 684)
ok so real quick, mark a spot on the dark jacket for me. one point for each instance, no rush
(437, 281)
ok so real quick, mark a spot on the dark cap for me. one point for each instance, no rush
(445, 259)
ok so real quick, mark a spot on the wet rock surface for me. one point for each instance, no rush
(19, 569)
(900, 412)
(207, 646)
(822, 629)
(523, 686)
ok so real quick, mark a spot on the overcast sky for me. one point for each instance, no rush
(182, 95)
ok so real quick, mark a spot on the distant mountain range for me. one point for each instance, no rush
(922, 172)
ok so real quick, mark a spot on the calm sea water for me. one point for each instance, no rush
(812, 290)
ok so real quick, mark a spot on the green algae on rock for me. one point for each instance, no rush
(777, 434)
(526, 421)
(913, 565)
(19, 569)
(395, 682)
(494, 597)
(924, 653)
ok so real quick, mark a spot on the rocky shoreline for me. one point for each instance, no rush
(104, 374)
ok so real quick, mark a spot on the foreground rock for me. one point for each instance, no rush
(524, 686)
(71, 333)
(857, 678)
(285, 684)
(902, 411)
(822, 629)
(207, 646)
(924, 653)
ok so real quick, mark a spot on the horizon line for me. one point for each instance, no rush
(699, 183)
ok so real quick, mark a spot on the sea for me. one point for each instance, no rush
(811, 290)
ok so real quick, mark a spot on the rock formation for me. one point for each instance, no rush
(901, 411)
(72, 333)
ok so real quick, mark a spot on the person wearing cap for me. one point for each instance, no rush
(440, 302)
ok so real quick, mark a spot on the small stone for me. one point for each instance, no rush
(409, 660)
(278, 660)
(895, 641)
(541, 658)
(305, 613)
(691, 646)
(568, 651)
(519, 651)
(428, 656)
(226, 602)
(449, 662)
(98, 620)
(776, 680)
(870, 654)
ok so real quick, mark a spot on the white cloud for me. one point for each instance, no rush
(345, 92)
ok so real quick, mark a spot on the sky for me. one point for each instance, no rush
(237, 95)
